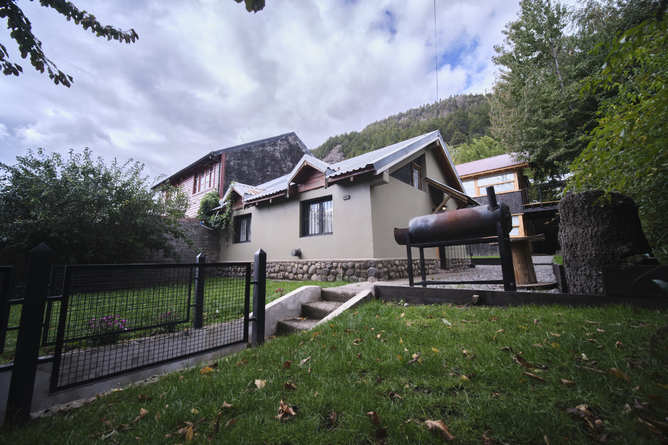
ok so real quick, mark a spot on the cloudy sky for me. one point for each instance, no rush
(206, 74)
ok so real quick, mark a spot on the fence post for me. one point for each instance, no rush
(259, 296)
(198, 319)
(29, 336)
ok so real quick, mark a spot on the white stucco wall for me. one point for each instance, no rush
(394, 204)
(276, 227)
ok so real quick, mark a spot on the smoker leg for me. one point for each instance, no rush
(409, 257)
(506, 260)
(423, 272)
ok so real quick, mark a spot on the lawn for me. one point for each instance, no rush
(385, 373)
(143, 309)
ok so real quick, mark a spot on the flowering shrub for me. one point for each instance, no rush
(105, 330)
(169, 320)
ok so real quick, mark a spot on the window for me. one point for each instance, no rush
(416, 176)
(516, 226)
(242, 232)
(502, 183)
(469, 188)
(204, 180)
(316, 217)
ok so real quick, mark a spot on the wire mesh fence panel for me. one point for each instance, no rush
(5, 285)
(118, 318)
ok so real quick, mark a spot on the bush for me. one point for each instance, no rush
(216, 219)
(85, 210)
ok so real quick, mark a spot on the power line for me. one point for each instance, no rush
(435, 51)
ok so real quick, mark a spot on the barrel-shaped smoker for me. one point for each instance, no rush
(473, 225)
(468, 223)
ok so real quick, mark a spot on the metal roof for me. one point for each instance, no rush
(505, 160)
(380, 160)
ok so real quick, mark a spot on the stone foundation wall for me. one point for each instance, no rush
(351, 270)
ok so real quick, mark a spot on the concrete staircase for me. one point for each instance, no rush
(314, 311)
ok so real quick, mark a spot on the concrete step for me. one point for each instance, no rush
(295, 325)
(319, 309)
(334, 294)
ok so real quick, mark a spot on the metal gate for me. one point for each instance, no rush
(114, 319)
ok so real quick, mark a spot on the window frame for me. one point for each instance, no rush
(238, 219)
(415, 167)
(305, 212)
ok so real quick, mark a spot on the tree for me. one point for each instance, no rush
(627, 151)
(29, 45)
(83, 209)
(536, 109)
(539, 108)
(478, 148)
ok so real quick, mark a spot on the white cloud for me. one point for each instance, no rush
(207, 74)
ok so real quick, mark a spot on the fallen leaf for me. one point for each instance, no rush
(618, 344)
(226, 405)
(402, 315)
(290, 386)
(554, 334)
(180, 378)
(592, 322)
(464, 378)
(434, 349)
(144, 398)
(584, 357)
(394, 396)
(446, 322)
(414, 358)
(619, 374)
(534, 376)
(600, 330)
(206, 370)
(379, 335)
(189, 434)
(357, 341)
(242, 362)
(230, 422)
(331, 419)
(567, 382)
(547, 441)
(194, 411)
(439, 426)
(286, 364)
(260, 383)
(305, 361)
(285, 411)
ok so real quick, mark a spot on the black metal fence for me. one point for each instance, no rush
(117, 318)
(105, 320)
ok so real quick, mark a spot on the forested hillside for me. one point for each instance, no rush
(459, 118)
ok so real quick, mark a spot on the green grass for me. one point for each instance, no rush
(484, 257)
(366, 360)
(145, 307)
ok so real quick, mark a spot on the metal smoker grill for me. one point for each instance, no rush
(473, 225)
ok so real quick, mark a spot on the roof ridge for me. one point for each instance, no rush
(258, 141)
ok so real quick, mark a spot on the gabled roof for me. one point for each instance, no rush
(240, 189)
(499, 162)
(213, 155)
(377, 162)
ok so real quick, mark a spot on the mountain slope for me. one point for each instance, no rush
(459, 118)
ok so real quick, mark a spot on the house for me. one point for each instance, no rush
(252, 162)
(325, 221)
(506, 173)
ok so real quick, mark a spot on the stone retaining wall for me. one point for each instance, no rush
(350, 270)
